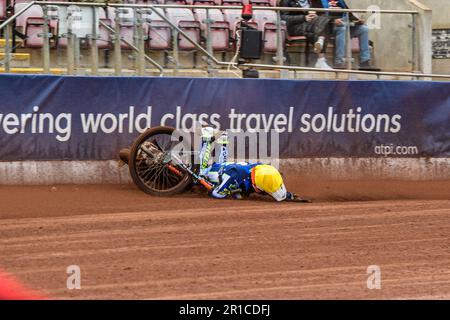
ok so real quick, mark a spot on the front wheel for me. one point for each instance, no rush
(148, 164)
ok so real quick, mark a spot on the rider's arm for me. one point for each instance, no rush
(290, 196)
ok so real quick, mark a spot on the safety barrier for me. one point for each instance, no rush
(62, 128)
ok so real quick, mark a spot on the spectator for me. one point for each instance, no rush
(358, 30)
(315, 26)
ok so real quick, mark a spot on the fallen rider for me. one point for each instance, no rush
(235, 179)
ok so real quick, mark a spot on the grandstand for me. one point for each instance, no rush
(192, 38)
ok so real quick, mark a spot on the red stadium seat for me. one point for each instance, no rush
(355, 45)
(34, 28)
(31, 24)
(2, 9)
(220, 29)
(125, 22)
(266, 20)
(159, 32)
(185, 20)
(104, 36)
(34, 11)
(233, 16)
(270, 37)
(261, 3)
(159, 35)
(148, 1)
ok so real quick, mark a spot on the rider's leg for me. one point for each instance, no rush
(206, 149)
(229, 185)
(221, 191)
(222, 141)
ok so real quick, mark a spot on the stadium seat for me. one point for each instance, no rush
(148, 1)
(296, 38)
(185, 20)
(300, 42)
(266, 20)
(233, 16)
(355, 45)
(34, 11)
(159, 32)
(103, 35)
(126, 22)
(260, 3)
(31, 24)
(34, 28)
(2, 9)
(270, 37)
(220, 29)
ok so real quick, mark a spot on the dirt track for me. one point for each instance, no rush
(130, 245)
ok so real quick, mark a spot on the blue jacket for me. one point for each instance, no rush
(230, 176)
(326, 4)
(342, 5)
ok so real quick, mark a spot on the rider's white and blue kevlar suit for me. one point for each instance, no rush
(231, 178)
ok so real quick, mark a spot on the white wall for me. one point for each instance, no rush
(109, 172)
(441, 20)
(393, 42)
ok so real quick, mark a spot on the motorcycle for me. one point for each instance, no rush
(159, 168)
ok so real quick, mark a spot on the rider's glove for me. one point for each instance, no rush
(237, 196)
(290, 196)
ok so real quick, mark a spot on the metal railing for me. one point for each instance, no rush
(419, 52)
(46, 6)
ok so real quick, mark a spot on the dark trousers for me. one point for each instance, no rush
(312, 30)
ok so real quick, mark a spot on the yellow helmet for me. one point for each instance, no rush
(268, 179)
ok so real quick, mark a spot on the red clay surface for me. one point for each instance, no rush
(130, 245)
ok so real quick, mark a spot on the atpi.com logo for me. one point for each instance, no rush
(394, 150)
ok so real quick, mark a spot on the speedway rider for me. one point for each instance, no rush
(238, 179)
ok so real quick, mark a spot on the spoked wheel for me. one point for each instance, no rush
(149, 166)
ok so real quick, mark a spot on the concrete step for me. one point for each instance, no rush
(20, 60)
(19, 43)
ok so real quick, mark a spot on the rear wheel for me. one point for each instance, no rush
(149, 167)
